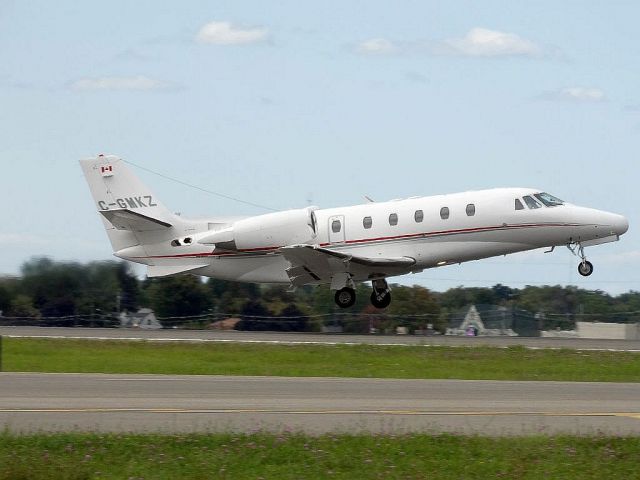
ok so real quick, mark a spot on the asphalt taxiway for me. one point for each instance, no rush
(164, 403)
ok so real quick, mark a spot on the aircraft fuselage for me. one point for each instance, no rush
(343, 245)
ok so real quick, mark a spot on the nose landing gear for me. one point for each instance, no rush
(585, 267)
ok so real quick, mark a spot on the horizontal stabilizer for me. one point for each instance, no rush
(125, 219)
(166, 270)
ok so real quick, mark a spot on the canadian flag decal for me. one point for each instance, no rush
(106, 170)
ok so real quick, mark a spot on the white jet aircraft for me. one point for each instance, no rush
(344, 245)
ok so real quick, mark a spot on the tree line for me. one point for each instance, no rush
(51, 290)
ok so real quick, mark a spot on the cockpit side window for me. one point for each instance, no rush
(548, 200)
(313, 222)
(531, 203)
(519, 205)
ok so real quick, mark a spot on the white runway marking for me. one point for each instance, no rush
(635, 415)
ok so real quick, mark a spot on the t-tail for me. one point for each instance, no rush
(139, 226)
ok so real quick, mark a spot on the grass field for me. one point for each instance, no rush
(514, 363)
(289, 456)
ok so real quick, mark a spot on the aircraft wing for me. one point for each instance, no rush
(125, 219)
(313, 264)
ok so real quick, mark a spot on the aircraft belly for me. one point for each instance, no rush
(427, 251)
(254, 269)
(456, 252)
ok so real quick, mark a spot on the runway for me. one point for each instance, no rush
(163, 403)
(177, 335)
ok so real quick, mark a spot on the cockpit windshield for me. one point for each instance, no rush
(548, 200)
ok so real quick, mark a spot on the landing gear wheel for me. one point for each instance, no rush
(585, 268)
(345, 297)
(381, 299)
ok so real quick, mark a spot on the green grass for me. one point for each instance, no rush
(295, 456)
(514, 363)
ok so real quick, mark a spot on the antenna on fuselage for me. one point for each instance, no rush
(368, 199)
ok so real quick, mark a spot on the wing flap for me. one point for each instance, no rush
(313, 264)
(370, 262)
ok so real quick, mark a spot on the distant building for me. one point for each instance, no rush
(226, 324)
(493, 320)
(599, 330)
(143, 318)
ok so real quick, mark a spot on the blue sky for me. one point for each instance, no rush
(285, 103)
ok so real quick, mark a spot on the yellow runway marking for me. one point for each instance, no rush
(635, 415)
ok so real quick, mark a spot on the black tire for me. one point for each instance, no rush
(345, 297)
(585, 268)
(381, 302)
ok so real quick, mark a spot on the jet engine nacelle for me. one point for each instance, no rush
(266, 231)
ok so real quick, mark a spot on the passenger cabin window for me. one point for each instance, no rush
(336, 226)
(531, 203)
(393, 219)
(519, 205)
(367, 222)
(444, 213)
(418, 216)
(548, 200)
(471, 210)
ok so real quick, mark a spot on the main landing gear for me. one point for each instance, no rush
(345, 297)
(380, 297)
(585, 267)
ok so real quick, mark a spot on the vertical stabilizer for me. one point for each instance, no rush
(131, 213)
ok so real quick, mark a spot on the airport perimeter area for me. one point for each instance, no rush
(83, 422)
(117, 380)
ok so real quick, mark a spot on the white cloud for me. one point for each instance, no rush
(478, 42)
(18, 239)
(576, 94)
(482, 42)
(139, 82)
(376, 46)
(225, 33)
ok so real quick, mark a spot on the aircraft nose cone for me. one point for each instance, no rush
(620, 224)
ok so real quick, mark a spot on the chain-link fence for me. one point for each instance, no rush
(481, 319)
